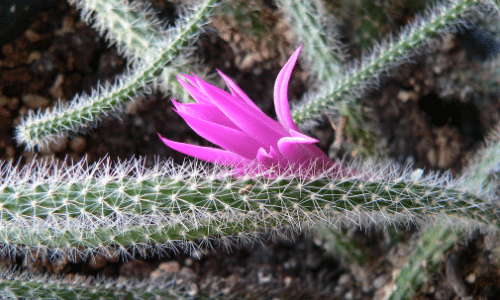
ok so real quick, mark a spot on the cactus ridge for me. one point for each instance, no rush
(124, 205)
(324, 54)
(132, 26)
(24, 285)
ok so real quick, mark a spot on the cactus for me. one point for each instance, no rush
(124, 204)
(425, 259)
(14, 285)
(122, 207)
(310, 22)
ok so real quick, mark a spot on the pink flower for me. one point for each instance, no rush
(245, 134)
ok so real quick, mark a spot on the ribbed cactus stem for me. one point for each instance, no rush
(37, 130)
(342, 94)
(423, 261)
(485, 163)
(15, 285)
(321, 47)
(140, 36)
(131, 25)
(495, 4)
(175, 206)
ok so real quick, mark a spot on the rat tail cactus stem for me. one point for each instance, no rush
(105, 206)
(85, 111)
(340, 96)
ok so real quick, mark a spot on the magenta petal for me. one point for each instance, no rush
(233, 122)
(268, 159)
(310, 148)
(209, 154)
(316, 153)
(293, 148)
(300, 148)
(236, 91)
(227, 138)
(255, 123)
(197, 95)
(281, 92)
(206, 112)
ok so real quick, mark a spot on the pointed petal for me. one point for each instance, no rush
(293, 148)
(197, 95)
(281, 92)
(227, 138)
(255, 123)
(206, 112)
(236, 91)
(209, 154)
(300, 148)
(316, 153)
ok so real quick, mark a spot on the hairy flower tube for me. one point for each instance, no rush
(245, 133)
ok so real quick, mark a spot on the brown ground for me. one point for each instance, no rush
(430, 113)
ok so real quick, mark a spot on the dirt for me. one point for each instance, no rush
(428, 113)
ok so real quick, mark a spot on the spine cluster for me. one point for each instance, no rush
(120, 206)
(341, 95)
(16, 285)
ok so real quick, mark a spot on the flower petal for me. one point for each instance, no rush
(209, 154)
(236, 91)
(227, 138)
(197, 95)
(300, 148)
(293, 148)
(315, 152)
(206, 112)
(255, 123)
(281, 92)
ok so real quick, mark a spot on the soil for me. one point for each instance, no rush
(428, 112)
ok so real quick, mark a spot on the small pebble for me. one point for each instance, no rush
(34, 56)
(187, 274)
(32, 36)
(59, 145)
(404, 96)
(170, 267)
(471, 278)
(344, 279)
(165, 270)
(432, 157)
(35, 101)
(138, 269)
(188, 262)
(379, 281)
(191, 289)
(56, 90)
(4, 100)
(78, 144)
(10, 152)
(264, 278)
